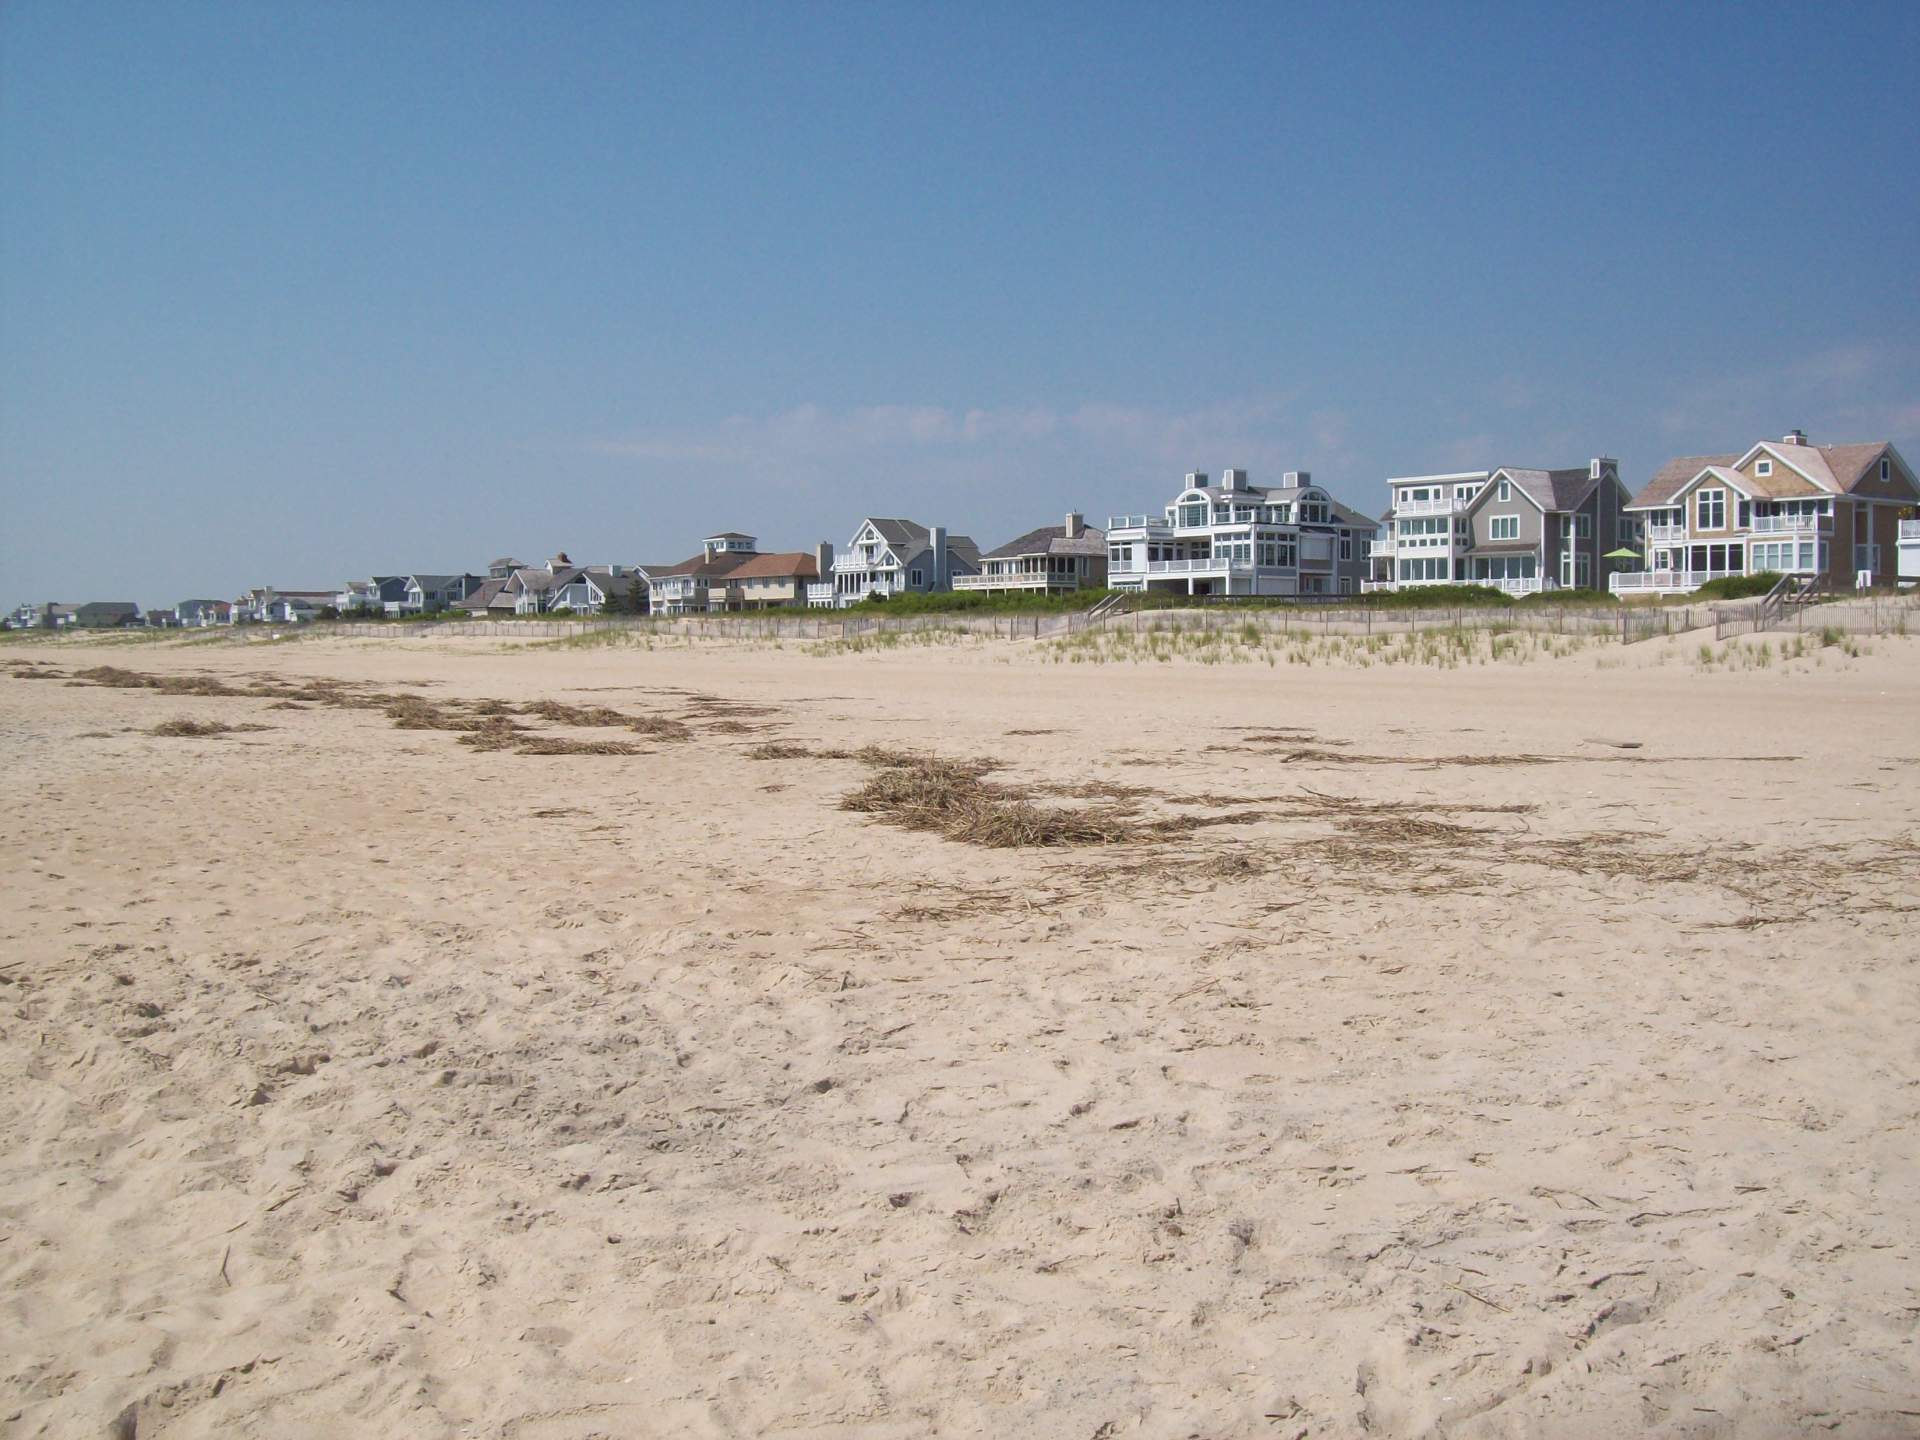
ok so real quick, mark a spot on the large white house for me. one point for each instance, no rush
(1236, 538)
(1515, 528)
(889, 557)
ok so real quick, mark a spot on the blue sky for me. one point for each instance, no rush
(293, 293)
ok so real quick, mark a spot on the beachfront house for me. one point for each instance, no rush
(889, 556)
(268, 604)
(1514, 528)
(731, 574)
(1053, 560)
(586, 588)
(1237, 538)
(1831, 513)
(162, 619)
(53, 615)
(106, 615)
(200, 614)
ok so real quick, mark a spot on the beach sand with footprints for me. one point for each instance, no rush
(438, 1038)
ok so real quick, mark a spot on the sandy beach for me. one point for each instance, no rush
(1498, 1050)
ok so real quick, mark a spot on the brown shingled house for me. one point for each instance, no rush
(730, 574)
(1828, 511)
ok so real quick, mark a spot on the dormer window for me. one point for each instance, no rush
(1763, 468)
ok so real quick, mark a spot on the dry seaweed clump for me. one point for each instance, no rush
(581, 715)
(183, 728)
(951, 799)
(658, 727)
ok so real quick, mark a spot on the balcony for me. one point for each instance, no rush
(1666, 534)
(1791, 525)
(1210, 566)
(1036, 580)
(1909, 531)
(1136, 522)
(1380, 549)
(1446, 505)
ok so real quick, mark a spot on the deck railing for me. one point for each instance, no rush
(1791, 524)
(1664, 582)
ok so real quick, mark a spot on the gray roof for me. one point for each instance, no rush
(899, 532)
(1052, 540)
(482, 596)
(1551, 489)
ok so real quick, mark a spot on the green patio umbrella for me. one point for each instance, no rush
(1623, 553)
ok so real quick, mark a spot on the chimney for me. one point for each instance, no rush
(1233, 479)
(1796, 437)
(1600, 465)
(937, 542)
(1294, 479)
(1196, 480)
(1074, 524)
(823, 558)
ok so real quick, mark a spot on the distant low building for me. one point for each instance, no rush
(199, 614)
(1053, 560)
(106, 615)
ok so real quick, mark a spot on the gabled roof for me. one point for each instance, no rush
(434, 582)
(1551, 490)
(898, 532)
(1827, 469)
(701, 566)
(1347, 515)
(106, 610)
(796, 565)
(1052, 540)
(1853, 463)
(1673, 477)
(481, 597)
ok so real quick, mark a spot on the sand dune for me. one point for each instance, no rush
(364, 1080)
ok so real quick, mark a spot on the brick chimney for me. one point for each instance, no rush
(1796, 437)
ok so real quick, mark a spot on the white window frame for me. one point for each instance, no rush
(1503, 527)
(1506, 490)
(1763, 468)
(1700, 499)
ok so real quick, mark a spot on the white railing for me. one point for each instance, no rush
(1790, 524)
(1136, 522)
(1380, 547)
(1664, 582)
(1371, 587)
(1525, 585)
(1446, 505)
(1037, 580)
(1909, 530)
(1213, 566)
(1666, 534)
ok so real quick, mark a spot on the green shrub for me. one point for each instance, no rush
(1738, 587)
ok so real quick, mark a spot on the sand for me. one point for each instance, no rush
(358, 1081)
